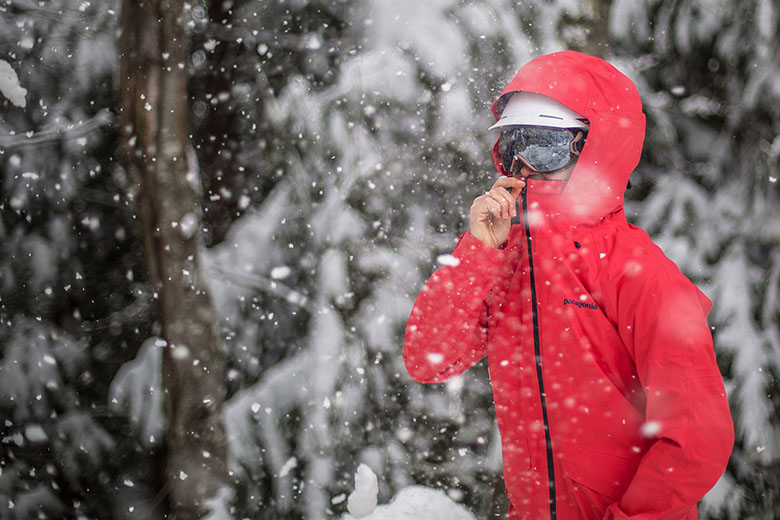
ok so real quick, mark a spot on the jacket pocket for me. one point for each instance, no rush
(607, 474)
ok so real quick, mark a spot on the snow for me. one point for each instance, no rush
(411, 503)
(362, 501)
(218, 506)
(416, 503)
(396, 146)
(280, 272)
(650, 428)
(35, 433)
(256, 411)
(137, 391)
(291, 464)
(448, 260)
(10, 87)
(628, 19)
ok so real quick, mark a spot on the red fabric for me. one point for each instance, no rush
(638, 419)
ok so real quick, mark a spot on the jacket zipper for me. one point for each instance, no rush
(538, 357)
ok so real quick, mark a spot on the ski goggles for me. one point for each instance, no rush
(544, 149)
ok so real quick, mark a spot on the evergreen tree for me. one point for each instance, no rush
(74, 305)
(707, 192)
(341, 144)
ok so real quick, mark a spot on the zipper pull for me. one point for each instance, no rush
(516, 219)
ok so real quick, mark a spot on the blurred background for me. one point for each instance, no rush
(327, 154)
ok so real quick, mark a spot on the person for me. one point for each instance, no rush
(608, 397)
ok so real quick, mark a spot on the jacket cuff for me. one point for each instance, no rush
(476, 256)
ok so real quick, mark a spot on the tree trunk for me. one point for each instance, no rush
(154, 136)
(598, 29)
(588, 33)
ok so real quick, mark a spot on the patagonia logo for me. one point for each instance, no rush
(581, 305)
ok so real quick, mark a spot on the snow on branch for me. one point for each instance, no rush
(137, 391)
(272, 287)
(59, 130)
(256, 410)
(10, 87)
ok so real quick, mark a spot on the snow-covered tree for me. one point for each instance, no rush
(154, 111)
(708, 194)
(340, 145)
(74, 305)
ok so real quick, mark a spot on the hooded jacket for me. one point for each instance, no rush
(607, 394)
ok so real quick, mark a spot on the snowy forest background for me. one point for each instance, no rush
(335, 147)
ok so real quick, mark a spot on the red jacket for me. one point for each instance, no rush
(607, 394)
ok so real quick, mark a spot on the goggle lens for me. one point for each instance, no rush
(546, 149)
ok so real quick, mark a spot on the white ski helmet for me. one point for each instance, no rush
(527, 108)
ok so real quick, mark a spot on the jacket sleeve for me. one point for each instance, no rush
(446, 332)
(662, 319)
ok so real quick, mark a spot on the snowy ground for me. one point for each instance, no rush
(416, 502)
(411, 503)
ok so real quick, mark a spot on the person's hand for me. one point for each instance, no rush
(491, 213)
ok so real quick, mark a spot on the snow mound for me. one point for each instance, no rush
(418, 503)
(362, 501)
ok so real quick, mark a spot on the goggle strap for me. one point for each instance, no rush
(517, 163)
(576, 144)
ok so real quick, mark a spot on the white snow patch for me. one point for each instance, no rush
(448, 260)
(219, 505)
(9, 85)
(418, 502)
(180, 352)
(650, 428)
(136, 391)
(35, 433)
(362, 501)
(189, 225)
(290, 465)
(435, 358)
(282, 271)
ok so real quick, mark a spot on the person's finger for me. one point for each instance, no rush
(512, 200)
(506, 196)
(503, 203)
(512, 184)
(492, 207)
(508, 182)
(480, 203)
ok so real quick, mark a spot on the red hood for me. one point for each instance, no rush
(597, 90)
